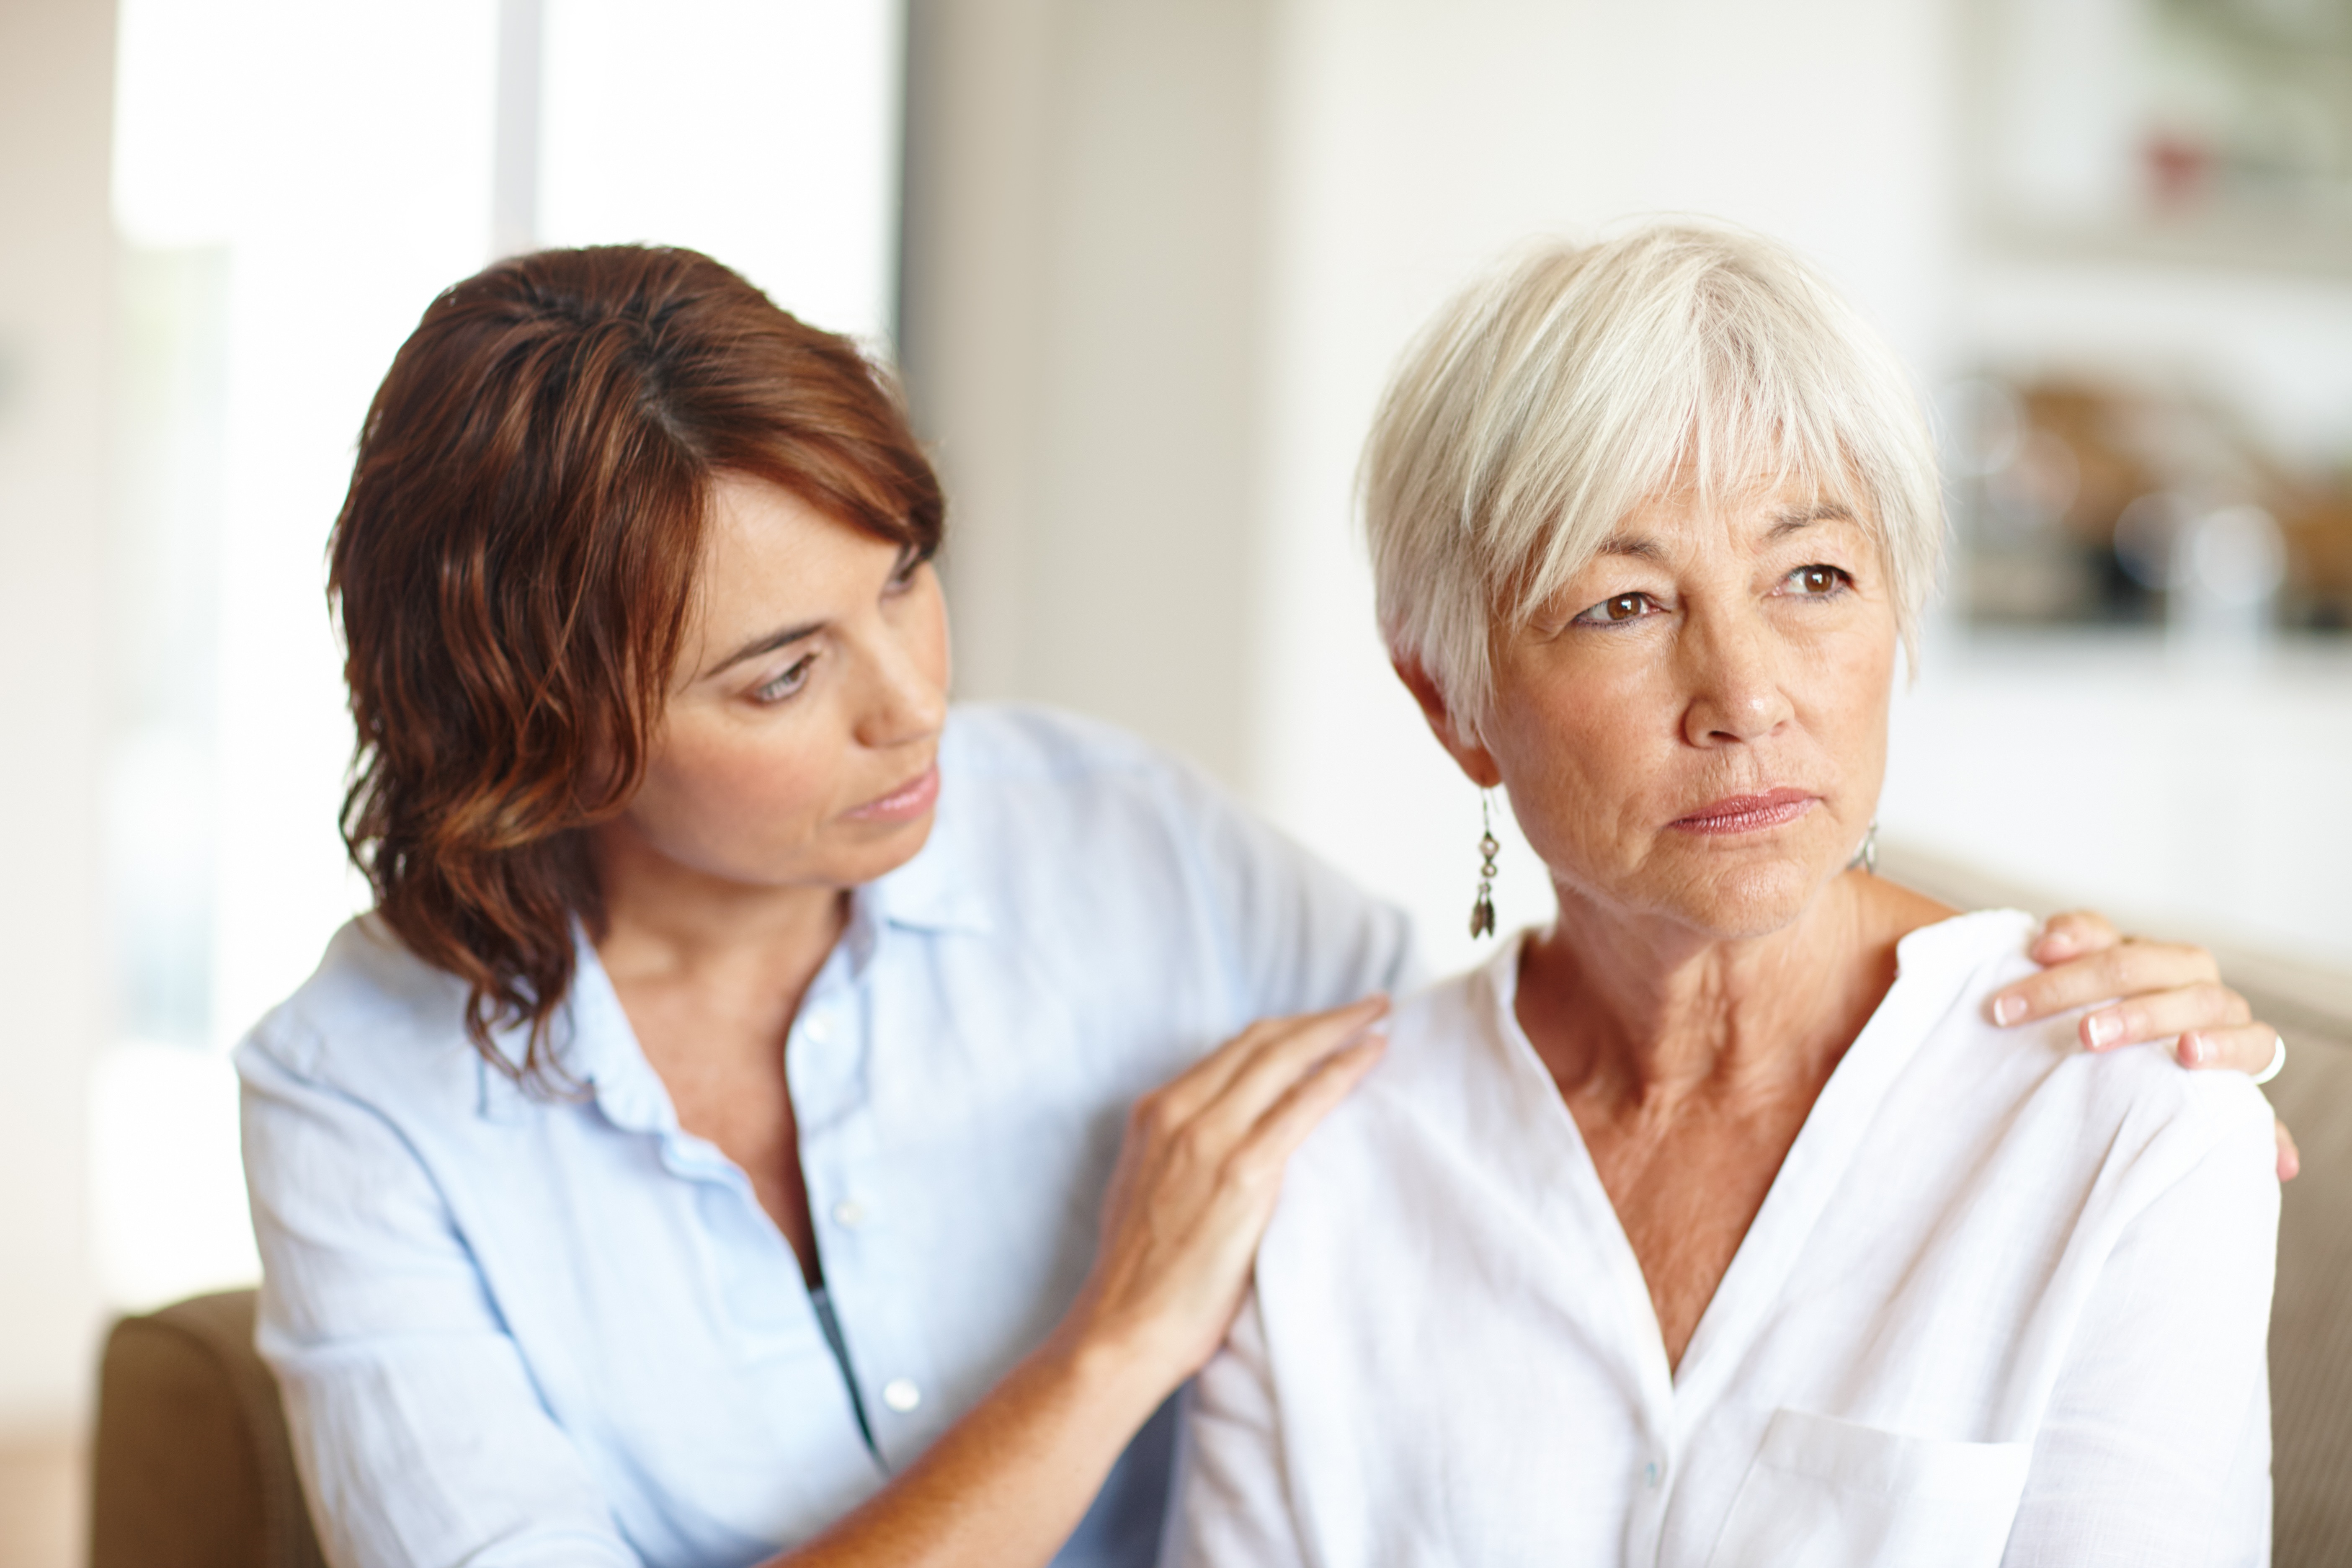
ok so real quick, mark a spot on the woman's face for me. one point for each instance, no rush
(1696, 729)
(801, 741)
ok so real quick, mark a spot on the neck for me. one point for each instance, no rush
(664, 921)
(1642, 1013)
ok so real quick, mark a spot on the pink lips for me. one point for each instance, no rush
(909, 801)
(1748, 813)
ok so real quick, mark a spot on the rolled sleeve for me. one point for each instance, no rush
(417, 1430)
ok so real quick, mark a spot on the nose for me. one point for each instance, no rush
(906, 699)
(1735, 676)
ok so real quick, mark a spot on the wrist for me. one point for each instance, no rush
(1105, 1368)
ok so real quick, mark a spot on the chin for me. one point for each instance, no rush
(1742, 902)
(886, 848)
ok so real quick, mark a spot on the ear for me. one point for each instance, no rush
(1461, 743)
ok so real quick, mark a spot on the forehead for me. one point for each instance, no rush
(769, 558)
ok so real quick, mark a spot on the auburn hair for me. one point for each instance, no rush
(515, 564)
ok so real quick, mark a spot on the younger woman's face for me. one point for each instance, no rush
(801, 742)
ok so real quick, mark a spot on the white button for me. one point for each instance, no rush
(815, 1030)
(849, 1214)
(901, 1396)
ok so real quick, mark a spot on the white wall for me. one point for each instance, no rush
(57, 66)
(1081, 334)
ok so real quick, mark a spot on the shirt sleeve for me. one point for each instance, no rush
(1302, 937)
(1230, 1503)
(419, 1436)
(2154, 1449)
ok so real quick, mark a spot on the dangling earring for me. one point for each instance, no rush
(1481, 913)
(1867, 856)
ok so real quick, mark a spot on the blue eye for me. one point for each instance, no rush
(787, 684)
(1618, 611)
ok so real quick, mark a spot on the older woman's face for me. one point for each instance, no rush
(1696, 727)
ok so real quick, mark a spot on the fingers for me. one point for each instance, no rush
(2127, 970)
(1278, 1053)
(2290, 1158)
(2160, 1015)
(2072, 935)
(2245, 1048)
(1198, 1177)
(1283, 1129)
(1185, 1097)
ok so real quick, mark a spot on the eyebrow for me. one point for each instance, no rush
(1790, 522)
(1638, 546)
(768, 644)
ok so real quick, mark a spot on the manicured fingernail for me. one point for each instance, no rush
(2194, 1052)
(2102, 1028)
(2008, 1010)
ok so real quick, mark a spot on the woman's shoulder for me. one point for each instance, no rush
(1032, 744)
(1011, 772)
(1450, 1079)
(2134, 1106)
(370, 1001)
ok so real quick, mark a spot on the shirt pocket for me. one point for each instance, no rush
(1827, 1493)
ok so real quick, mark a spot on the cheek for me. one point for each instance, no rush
(1848, 702)
(712, 794)
(1581, 754)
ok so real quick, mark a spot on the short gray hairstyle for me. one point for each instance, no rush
(1551, 398)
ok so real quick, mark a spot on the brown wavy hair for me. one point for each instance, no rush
(514, 567)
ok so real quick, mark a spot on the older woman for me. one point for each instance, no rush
(711, 1144)
(1718, 1223)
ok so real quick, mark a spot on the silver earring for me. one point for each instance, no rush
(1867, 856)
(1481, 913)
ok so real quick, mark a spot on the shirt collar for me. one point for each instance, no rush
(595, 1052)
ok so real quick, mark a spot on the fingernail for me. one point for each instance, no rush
(2193, 1052)
(2102, 1028)
(2008, 1010)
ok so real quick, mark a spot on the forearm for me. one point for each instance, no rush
(1196, 1180)
(1007, 1484)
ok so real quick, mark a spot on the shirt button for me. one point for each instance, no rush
(849, 1214)
(816, 1031)
(1650, 1474)
(901, 1396)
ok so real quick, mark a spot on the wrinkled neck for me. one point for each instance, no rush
(1642, 1013)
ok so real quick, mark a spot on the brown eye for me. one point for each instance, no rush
(1617, 611)
(1817, 581)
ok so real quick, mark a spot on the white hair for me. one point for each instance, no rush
(1551, 398)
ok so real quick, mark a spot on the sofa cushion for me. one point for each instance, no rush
(192, 1466)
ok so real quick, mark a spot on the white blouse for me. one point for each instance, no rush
(2004, 1303)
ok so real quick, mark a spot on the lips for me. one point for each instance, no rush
(910, 799)
(1748, 813)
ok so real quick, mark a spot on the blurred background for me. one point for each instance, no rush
(1144, 266)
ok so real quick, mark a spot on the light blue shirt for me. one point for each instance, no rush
(520, 1330)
